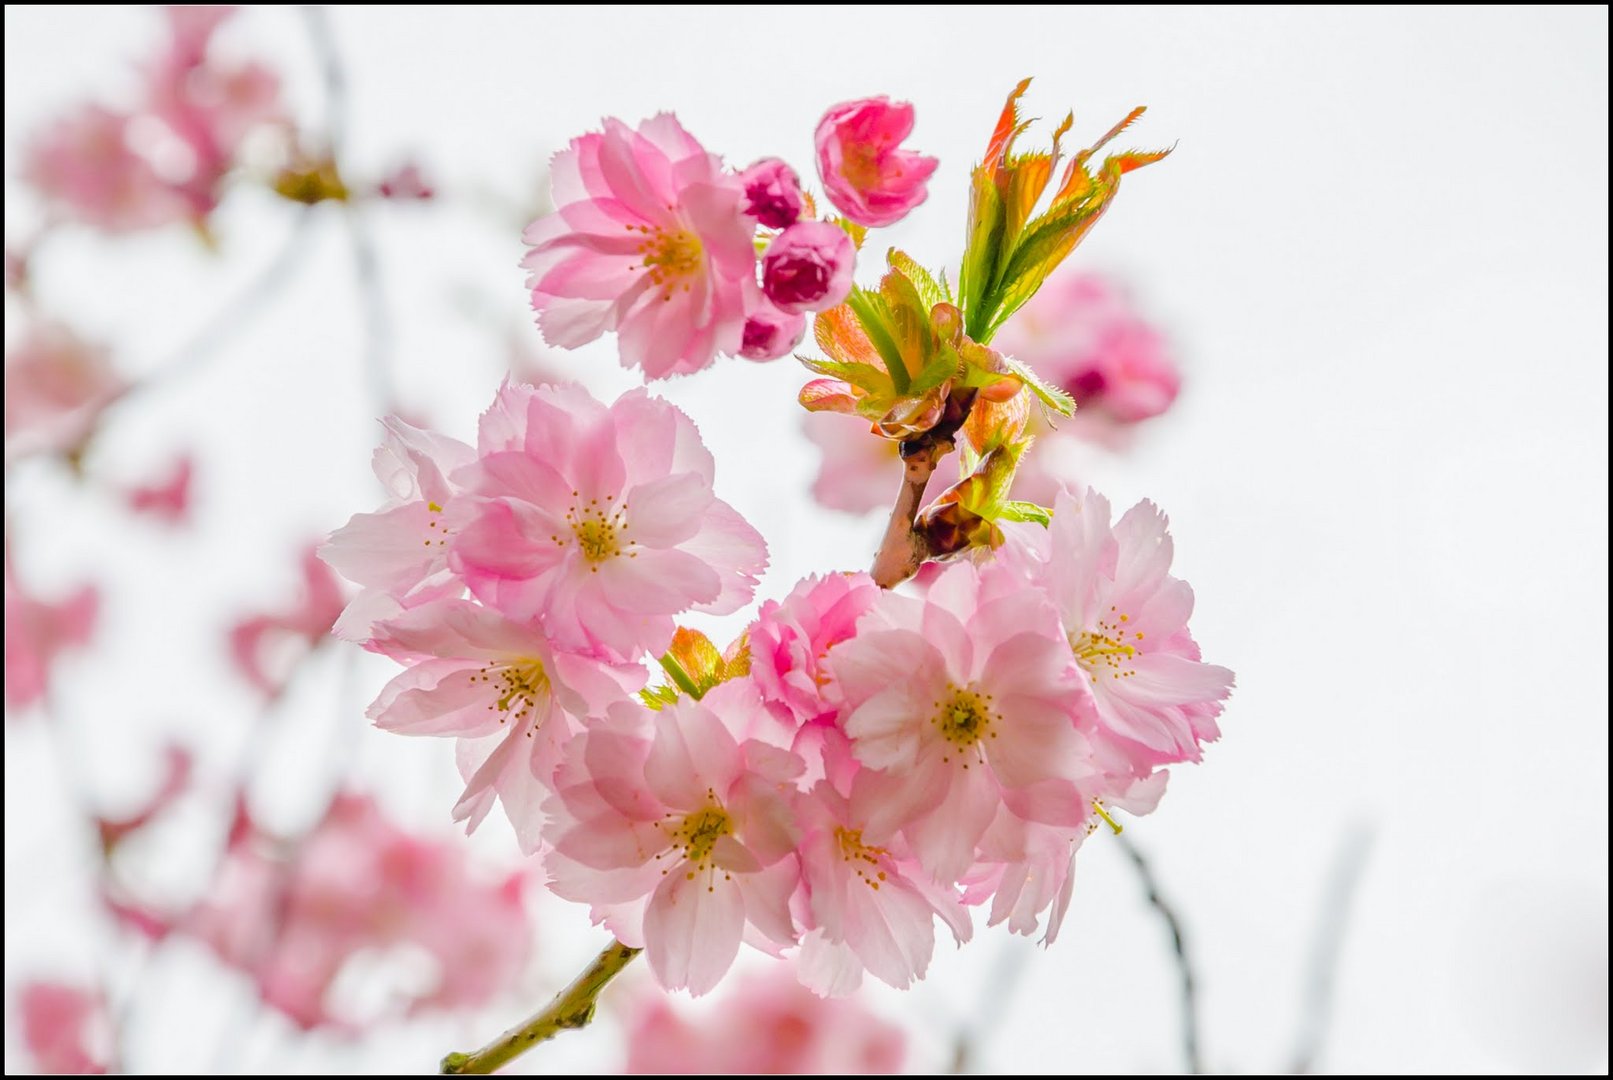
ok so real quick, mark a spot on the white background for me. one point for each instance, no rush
(1380, 250)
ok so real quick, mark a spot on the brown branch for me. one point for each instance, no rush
(573, 1007)
(903, 550)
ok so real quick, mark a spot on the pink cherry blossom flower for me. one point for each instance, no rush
(56, 387)
(598, 520)
(167, 499)
(967, 700)
(37, 632)
(1026, 868)
(503, 691)
(293, 919)
(871, 905)
(399, 554)
(769, 332)
(85, 166)
(1082, 333)
(650, 239)
(765, 1023)
(65, 1028)
(772, 193)
(681, 838)
(790, 639)
(1125, 618)
(265, 647)
(808, 266)
(865, 173)
(858, 471)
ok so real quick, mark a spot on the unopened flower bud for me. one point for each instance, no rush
(808, 267)
(772, 193)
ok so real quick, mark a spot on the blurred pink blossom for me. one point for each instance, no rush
(64, 1028)
(56, 387)
(262, 645)
(37, 632)
(649, 238)
(865, 173)
(209, 105)
(1082, 333)
(405, 183)
(859, 471)
(292, 918)
(85, 165)
(167, 499)
(177, 762)
(763, 1023)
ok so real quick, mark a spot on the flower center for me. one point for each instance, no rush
(698, 833)
(860, 165)
(519, 685)
(600, 532)
(965, 718)
(853, 850)
(1106, 649)
(670, 257)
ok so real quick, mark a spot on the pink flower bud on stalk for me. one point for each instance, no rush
(864, 172)
(772, 193)
(808, 267)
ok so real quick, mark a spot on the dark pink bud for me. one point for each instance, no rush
(772, 193)
(808, 267)
(769, 332)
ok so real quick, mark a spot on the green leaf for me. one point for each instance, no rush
(658, 697)
(1015, 510)
(870, 311)
(679, 677)
(1046, 393)
(929, 290)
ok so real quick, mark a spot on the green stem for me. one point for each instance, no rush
(573, 1007)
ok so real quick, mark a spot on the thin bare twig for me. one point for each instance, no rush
(1321, 975)
(1184, 965)
(572, 1008)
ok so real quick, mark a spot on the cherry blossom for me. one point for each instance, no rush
(680, 836)
(37, 632)
(865, 173)
(501, 689)
(598, 520)
(265, 646)
(966, 700)
(650, 239)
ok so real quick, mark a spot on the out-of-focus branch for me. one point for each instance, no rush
(1321, 974)
(572, 1008)
(1184, 964)
(230, 319)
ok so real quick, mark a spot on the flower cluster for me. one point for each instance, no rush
(859, 762)
(654, 239)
